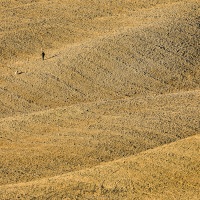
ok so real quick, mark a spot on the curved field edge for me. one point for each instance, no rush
(75, 137)
(166, 172)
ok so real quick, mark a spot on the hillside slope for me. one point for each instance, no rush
(146, 51)
(113, 112)
(28, 25)
(168, 172)
(53, 142)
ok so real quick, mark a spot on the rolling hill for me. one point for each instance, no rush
(146, 50)
(112, 112)
(167, 172)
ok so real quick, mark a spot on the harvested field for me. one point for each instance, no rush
(113, 110)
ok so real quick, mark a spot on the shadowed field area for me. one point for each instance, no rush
(166, 172)
(113, 110)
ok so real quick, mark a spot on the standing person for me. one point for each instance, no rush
(43, 54)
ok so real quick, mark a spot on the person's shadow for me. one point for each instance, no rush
(52, 57)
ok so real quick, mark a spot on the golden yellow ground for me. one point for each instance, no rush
(112, 112)
(167, 172)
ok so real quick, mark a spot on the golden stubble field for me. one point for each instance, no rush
(112, 112)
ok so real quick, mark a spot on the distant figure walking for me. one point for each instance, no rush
(43, 54)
